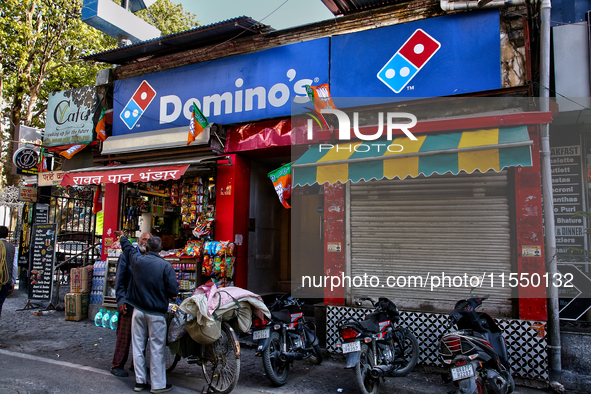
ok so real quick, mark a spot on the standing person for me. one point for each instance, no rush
(152, 284)
(7, 266)
(125, 311)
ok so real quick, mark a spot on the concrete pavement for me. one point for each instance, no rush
(46, 354)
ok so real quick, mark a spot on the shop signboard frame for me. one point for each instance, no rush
(70, 117)
(42, 261)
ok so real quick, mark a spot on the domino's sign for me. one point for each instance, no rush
(443, 56)
(235, 89)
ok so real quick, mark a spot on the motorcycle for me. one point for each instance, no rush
(376, 348)
(477, 353)
(285, 338)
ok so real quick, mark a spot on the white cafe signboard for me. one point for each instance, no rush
(70, 117)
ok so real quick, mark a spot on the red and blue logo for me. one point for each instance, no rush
(408, 60)
(137, 105)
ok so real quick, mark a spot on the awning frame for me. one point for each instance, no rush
(400, 156)
(156, 164)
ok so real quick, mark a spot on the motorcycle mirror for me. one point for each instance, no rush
(480, 281)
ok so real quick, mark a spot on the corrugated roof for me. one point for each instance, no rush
(346, 7)
(190, 39)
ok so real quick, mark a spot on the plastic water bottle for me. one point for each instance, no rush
(114, 321)
(106, 319)
(98, 319)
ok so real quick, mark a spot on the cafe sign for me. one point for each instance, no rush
(70, 117)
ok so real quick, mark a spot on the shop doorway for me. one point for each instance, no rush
(307, 238)
(269, 264)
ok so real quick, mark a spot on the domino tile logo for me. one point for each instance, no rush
(137, 104)
(408, 60)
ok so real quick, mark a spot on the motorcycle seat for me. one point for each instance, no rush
(283, 315)
(370, 325)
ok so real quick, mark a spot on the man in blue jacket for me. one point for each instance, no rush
(153, 283)
(125, 311)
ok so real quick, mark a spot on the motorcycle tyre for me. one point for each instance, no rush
(366, 354)
(276, 379)
(480, 389)
(414, 357)
(316, 358)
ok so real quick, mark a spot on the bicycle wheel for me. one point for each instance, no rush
(171, 359)
(221, 365)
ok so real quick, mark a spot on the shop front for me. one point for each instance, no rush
(416, 225)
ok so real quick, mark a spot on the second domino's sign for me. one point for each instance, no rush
(441, 56)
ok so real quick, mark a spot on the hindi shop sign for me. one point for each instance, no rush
(70, 117)
(133, 175)
(50, 178)
(27, 194)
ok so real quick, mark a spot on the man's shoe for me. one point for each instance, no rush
(164, 390)
(141, 386)
(119, 372)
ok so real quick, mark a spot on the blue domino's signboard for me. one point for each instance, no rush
(442, 56)
(229, 90)
(434, 57)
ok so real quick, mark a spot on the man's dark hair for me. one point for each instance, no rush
(3, 231)
(154, 244)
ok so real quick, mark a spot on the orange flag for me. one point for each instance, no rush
(101, 133)
(198, 124)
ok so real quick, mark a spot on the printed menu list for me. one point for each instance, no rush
(42, 261)
(568, 198)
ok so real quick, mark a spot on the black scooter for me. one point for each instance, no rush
(476, 353)
(285, 338)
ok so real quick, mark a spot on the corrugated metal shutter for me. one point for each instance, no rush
(426, 226)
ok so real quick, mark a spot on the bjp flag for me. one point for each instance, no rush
(198, 124)
(101, 132)
(281, 179)
(320, 96)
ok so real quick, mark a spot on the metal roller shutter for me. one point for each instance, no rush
(428, 226)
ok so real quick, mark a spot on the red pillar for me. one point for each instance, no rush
(232, 212)
(334, 240)
(529, 225)
(111, 211)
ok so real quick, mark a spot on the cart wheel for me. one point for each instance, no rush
(221, 362)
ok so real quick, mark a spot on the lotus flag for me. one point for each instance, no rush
(320, 96)
(281, 179)
(97, 203)
(101, 132)
(198, 124)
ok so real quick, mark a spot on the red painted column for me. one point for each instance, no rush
(111, 211)
(334, 239)
(529, 225)
(232, 212)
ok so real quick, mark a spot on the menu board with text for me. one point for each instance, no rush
(567, 185)
(42, 261)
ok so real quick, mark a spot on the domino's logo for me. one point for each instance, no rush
(137, 104)
(408, 60)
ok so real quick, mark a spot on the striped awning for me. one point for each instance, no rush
(467, 151)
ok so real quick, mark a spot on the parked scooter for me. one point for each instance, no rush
(285, 338)
(476, 353)
(376, 348)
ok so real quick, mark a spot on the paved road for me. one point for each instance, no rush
(46, 354)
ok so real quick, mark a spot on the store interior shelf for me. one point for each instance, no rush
(151, 193)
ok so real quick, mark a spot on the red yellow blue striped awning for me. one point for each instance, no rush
(467, 151)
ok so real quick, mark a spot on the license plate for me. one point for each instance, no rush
(462, 372)
(262, 334)
(351, 347)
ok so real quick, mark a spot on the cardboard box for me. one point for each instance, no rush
(76, 306)
(81, 279)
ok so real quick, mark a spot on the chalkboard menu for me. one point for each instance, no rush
(42, 261)
(567, 185)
